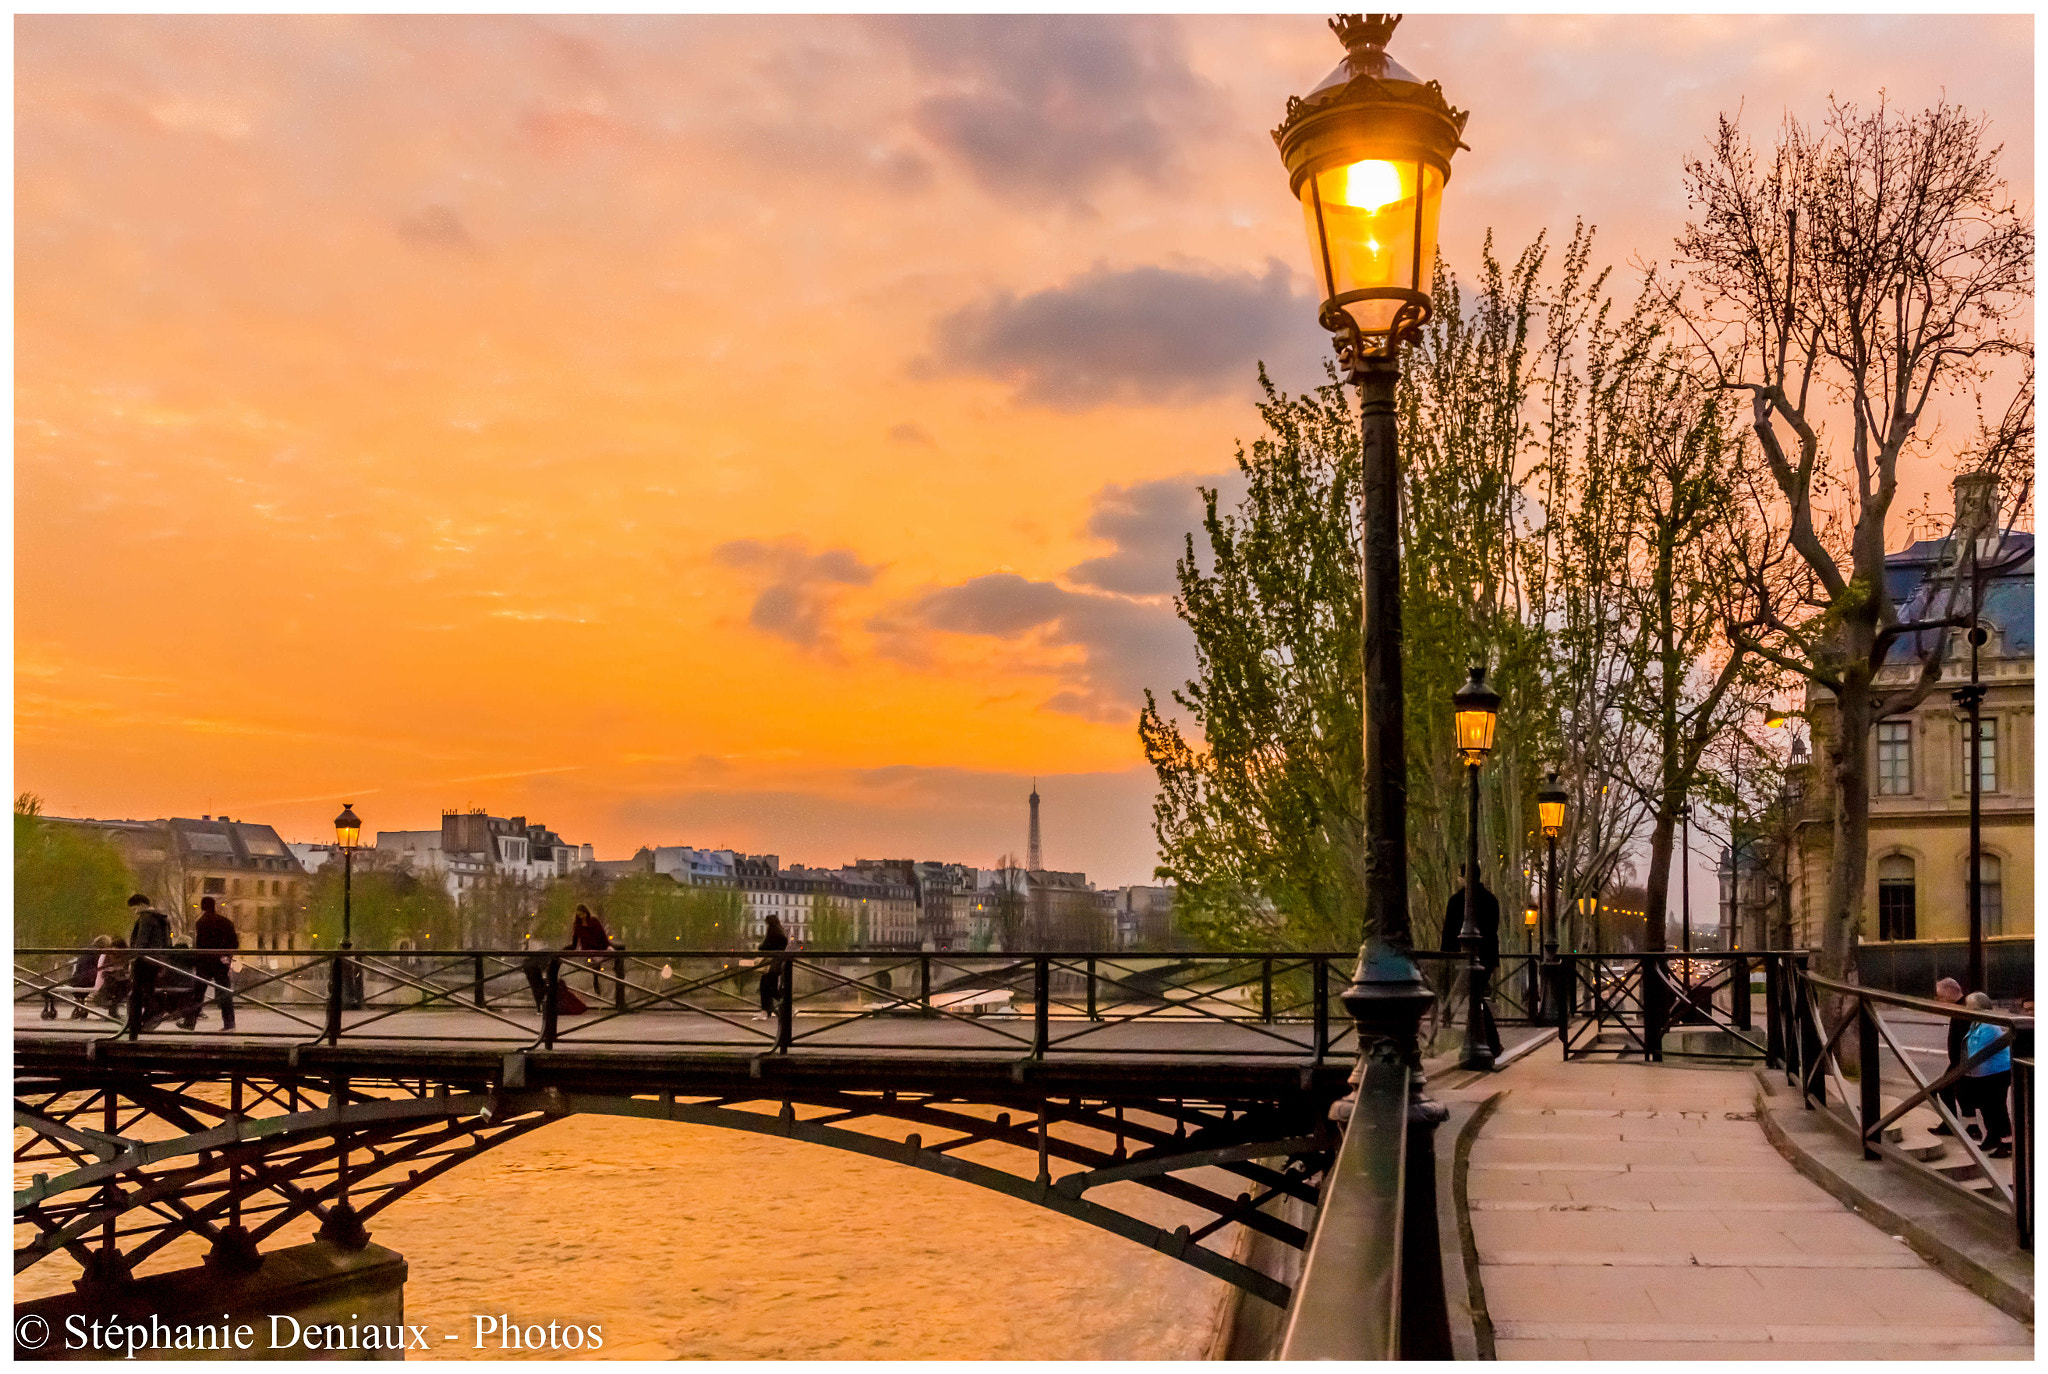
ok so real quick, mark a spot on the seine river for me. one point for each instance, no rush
(690, 1242)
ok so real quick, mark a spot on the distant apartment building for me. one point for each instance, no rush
(473, 849)
(249, 871)
(1143, 917)
(695, 867)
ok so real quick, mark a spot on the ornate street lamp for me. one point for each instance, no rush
(1368, 152)
(1550, 807)
(348, 832)
(1475, 708)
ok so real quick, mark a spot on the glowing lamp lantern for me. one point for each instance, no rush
(1475, 707)
(1529, 916)
(1550, 804)
(1774, 719)
(347, 829)
(1367, 153)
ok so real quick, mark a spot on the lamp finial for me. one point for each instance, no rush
(1362, 34)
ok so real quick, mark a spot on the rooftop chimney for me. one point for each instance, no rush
(1976, 505)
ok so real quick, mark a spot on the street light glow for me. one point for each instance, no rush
(1372, 185)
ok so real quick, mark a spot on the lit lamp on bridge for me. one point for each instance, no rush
(348, 834)
(1550, 807)
(1475, 709)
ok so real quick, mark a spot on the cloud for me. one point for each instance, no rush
(1149, 334)
(798, 597)
(1045, 107)
(910, 433)
(436, 228)
(1124, 645)
(1149, 523)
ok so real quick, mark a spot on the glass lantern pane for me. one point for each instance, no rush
(1475, 730)
(1368, 227)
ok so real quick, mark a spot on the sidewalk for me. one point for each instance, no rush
(1632, 1211)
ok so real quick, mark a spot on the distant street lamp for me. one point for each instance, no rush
(1475, 710)
(1367, 154)
(1550, 807)
(348, 832)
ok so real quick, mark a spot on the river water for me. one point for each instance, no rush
(692, 1242)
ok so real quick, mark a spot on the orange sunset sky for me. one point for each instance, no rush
(764, 432)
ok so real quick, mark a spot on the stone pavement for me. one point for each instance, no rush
(1635, 1211)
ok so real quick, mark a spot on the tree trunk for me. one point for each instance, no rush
(1658, 892)
(1848, 753)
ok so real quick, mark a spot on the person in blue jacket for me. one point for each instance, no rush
(1989, 1081)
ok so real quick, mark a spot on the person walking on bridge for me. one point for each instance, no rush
(775, 967)
(1487, 919)
(215, 931)
(587, 932)
(149, 940)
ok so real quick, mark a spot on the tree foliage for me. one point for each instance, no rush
(1565, 494)
(70, 882)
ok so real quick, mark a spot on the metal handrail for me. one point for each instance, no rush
(1864, 1111)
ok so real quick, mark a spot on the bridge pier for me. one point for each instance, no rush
(285, 1308)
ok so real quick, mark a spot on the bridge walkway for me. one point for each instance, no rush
(1637, 1211)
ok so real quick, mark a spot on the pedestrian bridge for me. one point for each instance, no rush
(353, 1080)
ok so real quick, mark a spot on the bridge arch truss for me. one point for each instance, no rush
(133, 1150)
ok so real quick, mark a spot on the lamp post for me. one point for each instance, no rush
(1367, 153)
(1475, 708)
(1550, 805)
(348, 832)
(1971, 701)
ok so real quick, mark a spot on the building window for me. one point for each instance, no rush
(1894, 758)
(1895, 904)
(1990, 892)
(1987, 756)
(215, 885)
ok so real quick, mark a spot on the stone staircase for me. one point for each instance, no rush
(1913, 1135)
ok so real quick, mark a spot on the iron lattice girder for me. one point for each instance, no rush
(426, 1112)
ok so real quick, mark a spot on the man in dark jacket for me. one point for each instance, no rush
(1487, 918)
(1950, 991)
(148, 940)
(215, 931)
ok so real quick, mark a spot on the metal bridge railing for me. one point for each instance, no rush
(1630, 1005)
(1862, 1101)
(1273, 1004)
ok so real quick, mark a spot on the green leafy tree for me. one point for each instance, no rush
(831, 926)
(653, 911)
(70, 882)
(389, 908)
(1259, 813)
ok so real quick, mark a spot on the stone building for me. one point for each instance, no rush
(1917, 882)
(249, 871)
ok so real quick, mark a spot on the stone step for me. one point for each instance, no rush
(1920, 1145)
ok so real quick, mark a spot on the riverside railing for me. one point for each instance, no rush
(1862, 1104)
